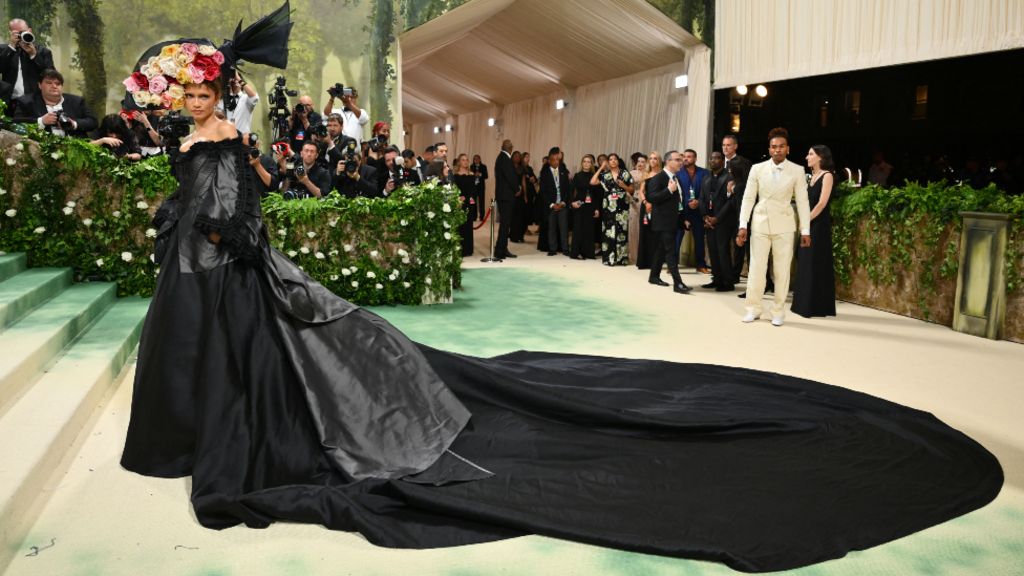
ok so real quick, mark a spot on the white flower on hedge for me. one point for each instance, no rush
(355, 284)
(371, 274)
(393, 276)
(428, 282)
(55, 155)
(99, 263)
(19, 146)
(281, 231)
(353, 269)
(406, 285)
(304, 250)
(87, 222)
(333, 223)
(2, 191)
(126, 256)
(150, 232)
(116, 213)
(404, 222)
(311, 234)
(152, 258)
(141, 205)
(292, 253)
(402, 252)
(347, 247)
(378, 286)
(430, 215)
(447, 226)
(374, 253)
(333, 253)
(40, 230)
(67, 211)
(36, 197)
(446, 208)
(71, 204)
(406, 260)
(447, 235)
(346, 272)
(319, 255)
(11, 213)
(333, 277)
(11, 162)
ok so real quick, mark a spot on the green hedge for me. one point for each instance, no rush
(914, 231)
(67, 203)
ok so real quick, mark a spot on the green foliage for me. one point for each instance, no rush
(84, 19)
(914, 232)
(65, 202)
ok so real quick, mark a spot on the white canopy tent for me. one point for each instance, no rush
(615, 63)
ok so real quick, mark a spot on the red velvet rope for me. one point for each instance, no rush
(484, 221)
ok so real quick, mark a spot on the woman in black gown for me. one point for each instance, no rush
(530, 193)
(585, 203)
(814, 293)
(465, 180)
(286, 402)
(517, 228)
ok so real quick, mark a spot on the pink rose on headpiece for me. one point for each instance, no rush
(218, 57)
(130, 85)
(196, 73)
(190, 49)
(158, 84)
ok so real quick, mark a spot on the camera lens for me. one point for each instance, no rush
(27, 37)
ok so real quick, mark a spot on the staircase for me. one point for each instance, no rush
(62, 346)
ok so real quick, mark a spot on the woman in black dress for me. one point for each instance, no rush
(285, 402)
(517, 228)
(617, 186)
(530, 192)
(465, 180)
(814, 293)
(585, 202)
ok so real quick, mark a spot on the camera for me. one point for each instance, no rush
(27, 37)
(173, 126)
(232, 102)
(337, 91)
(350, 153)
(320, 130)
(254, 145)
(279, 110)
(64, 121)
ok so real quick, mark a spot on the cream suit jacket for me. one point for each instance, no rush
(769, 196)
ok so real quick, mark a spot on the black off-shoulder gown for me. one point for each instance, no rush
(285, 402)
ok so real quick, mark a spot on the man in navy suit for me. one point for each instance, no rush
(691, 177)
(663, 192)
(53, 110)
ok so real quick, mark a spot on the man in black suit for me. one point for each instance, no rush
(505, 187)
(662, 191)
(555, 190)
(21, 63)
(739, 168)
(720, 218)
(53, 110)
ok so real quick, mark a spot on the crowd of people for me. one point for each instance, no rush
(599, 207)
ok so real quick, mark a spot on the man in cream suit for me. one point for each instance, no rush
(771, 186)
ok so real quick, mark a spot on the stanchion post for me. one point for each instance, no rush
(491, 258)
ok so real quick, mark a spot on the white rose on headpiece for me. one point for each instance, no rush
(206, 50)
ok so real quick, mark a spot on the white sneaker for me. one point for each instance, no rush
(749, 317)
(777, 320)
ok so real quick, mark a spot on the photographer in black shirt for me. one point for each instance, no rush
(354, 178)
(302, 177)
(268, 179)
(331, 143)
(302, 122)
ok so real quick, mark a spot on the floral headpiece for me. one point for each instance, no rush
(160, 81)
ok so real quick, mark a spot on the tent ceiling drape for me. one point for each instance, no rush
(489, 53)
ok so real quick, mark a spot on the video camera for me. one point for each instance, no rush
(337, 91)
(27, 37)
(279, 109)
(172, 127)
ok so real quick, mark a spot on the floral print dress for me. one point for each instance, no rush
(615, 219)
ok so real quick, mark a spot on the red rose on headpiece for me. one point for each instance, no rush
(141, 80)
(210, 68)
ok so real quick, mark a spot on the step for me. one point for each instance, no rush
(11, 264)
(35, 340)
(41, 427)
(21, 293)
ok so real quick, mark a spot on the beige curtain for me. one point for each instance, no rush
(763, 41)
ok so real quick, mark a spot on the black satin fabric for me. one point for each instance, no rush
(285, 402)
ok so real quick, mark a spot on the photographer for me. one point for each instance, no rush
(305, 178)
(59, 113)
(331, 143)
(411, 173)
(301, 123)
(268, 178)
(115, 136)
(354, 117)
(242, 101)
(353, 178)
(22, 61)
(145, 133)
(392, 177)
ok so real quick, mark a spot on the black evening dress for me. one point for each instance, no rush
(814, 293)
(286, 403)
(589, 198)
(614, 219)
(467, 189)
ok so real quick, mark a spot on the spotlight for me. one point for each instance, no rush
(437, 130)
(447, 127)
(559, 104)
(490, 121)
(760, 90)
(741, 90)
(682, 81)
